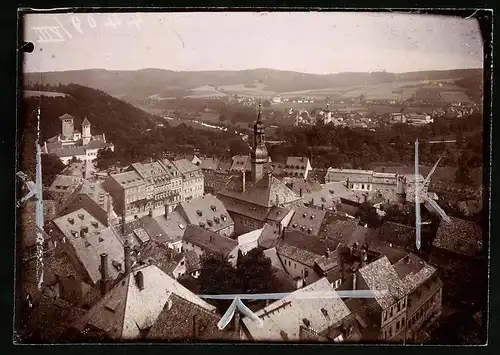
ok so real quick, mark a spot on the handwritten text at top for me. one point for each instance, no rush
(81, 23)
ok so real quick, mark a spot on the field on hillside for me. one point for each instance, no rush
(30, 93)
(429, 90)
(256, 89)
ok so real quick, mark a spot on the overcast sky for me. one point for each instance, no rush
(306, 42)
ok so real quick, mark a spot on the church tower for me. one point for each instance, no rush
(259, 153)
(86, 136)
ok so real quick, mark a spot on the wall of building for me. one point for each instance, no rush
(431, 307)
(243, 224)
(117, 193)
(295, 268)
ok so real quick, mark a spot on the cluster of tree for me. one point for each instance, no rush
(134, 133)
(357, 148)
(253, 274)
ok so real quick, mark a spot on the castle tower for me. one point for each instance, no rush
(259, 156)
(67, 126)
(86, 136)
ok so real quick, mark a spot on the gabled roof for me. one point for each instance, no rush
(97, 240)
(413, 271)
(297, 254)
(381, 276)
(193, 262)
(307, 220)
(282, 319)
(176, 322)
(126, 311)
(459, 236)
(249, 241)
(262, 193)
(268, 237)
(172, 227)
(209, 241)
(276, 214)
(86, 122)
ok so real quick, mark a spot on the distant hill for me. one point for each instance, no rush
(138, 84)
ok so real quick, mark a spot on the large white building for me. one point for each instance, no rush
(73, 143)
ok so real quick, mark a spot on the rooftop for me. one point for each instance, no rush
(282, 319)
(90, 239)
(176, 322)
(129, 179)
(127, 311)
(460, 236)
(307, 220)
(207, 210)
(185, 166)
(209, 241)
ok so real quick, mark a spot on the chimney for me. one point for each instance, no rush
(104, 273)
(300, 192)
(139, 280)
(128, 262)
(237, 323)
(283, 231)
(354, 280)
(150, 213)
(322, 206)
(327, 253)
(109, 208)
(277, 200)
(166, 211)
(196, 329)
(123, 223)
(244, 181)
(365, 196)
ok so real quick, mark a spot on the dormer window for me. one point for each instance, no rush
(202, 224)
(216, 220)
(304, 215)
(312, 216)
(81, 216)
(309, 230)
(85, 229)
(71, 220)
(214, 208)
(95, 224)
(199, 213)
(306, 321)
(294, 225)
(209, 222)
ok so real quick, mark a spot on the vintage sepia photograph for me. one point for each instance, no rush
(242, 176)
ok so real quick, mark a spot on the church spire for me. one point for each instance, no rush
(259, 152)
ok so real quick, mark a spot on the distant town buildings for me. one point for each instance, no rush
(73, 143)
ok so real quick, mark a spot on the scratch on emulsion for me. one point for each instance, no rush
(39, 208)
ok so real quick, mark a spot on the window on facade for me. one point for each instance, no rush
(398, 307)
(390, 332)
(403, 303)
(397, 325)
(385, 316)
(390, 315)
(306, 272)
(403, 321)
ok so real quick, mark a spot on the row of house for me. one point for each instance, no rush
(154, 185)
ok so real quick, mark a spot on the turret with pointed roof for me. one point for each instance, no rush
(259, 153)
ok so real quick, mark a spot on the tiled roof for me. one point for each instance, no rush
(96, 144)
(97, 240)
(327, 195)
(314, 244)
(52, 318)
(27, 225)
(193, 262)
(150, 170)
(297, 162)
(297, 254)
(307, 220)
(126, 311)
(208, 240)
(58, 150)
(381, 276)
(85, 122)
(344, 229)
(353, 175)
(208, 210)
(185, 166)
(398, 234)
(459, 236)
(283, 319)
(209, 164)
(176, 322)
(224, 166)
(159, 255)
(413, 271)
(261, 193)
